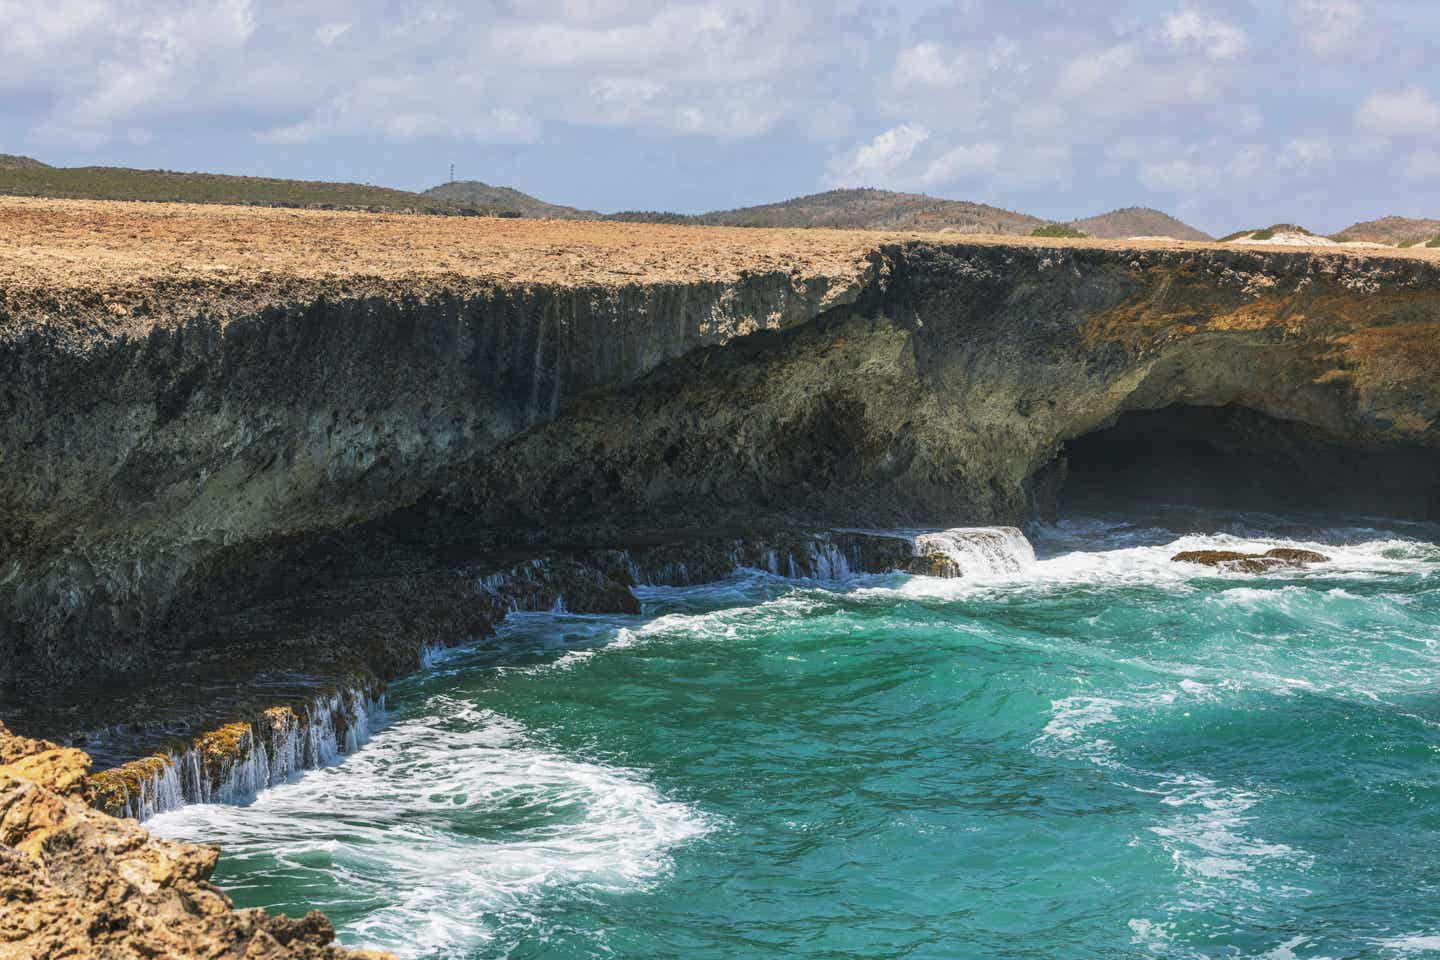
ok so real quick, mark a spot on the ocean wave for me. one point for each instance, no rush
(450, 825)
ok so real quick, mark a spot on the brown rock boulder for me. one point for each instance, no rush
(1232, 561)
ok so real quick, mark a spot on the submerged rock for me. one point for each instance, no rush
(1233, 561)
(1293, 555)
(75, 882)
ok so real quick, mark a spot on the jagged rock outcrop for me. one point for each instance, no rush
(75, 882)
(165, 434)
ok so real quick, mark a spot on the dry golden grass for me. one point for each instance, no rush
(128, 264)
(100, 241)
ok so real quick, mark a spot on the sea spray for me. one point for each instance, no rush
(233, 763)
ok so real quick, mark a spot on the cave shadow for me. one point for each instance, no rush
(1234, 460)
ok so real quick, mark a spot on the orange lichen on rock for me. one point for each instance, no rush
(75, 882)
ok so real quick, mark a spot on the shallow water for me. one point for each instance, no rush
(1102, 754)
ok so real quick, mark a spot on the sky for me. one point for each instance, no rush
(1227, 113)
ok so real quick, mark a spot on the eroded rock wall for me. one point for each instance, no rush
(133, 469)
(938, 385)
(75, 882)
(948, 398)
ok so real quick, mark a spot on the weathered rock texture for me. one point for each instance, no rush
(75, 882)
(164, 433)
(1234, 561)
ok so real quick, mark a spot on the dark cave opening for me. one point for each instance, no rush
(1233, 458)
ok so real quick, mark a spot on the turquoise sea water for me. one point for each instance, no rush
(1104, 755)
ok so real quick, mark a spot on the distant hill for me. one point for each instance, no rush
(1137, 222)
(9, 161)
(24, 177)
(1393, 230)
(505, 199)
(855, 209)
(870, 209)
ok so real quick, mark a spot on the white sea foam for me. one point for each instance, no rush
(1100, 553)
(447, 821)
(1207, 834)
(981, 551)
(1202, 825)
(1408, 945)
(336, 723)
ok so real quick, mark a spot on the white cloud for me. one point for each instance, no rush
(1178, 175)
(172, 46)
(959, 162)
(404, 107)
(927, 65)
(1038, 116)
(1005, 55)
(880, 159)
(1304, 153)
(1424, 165)
(1328, 25)
(1247, 162)
(729, 42)
(1085, 75)
(1219, 40)
(743, 115)
(1116, 81)
(624, 100)
(327, 33)
(891, 148)
(1408, 111)
(1247, 118)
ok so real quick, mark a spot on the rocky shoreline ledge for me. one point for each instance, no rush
(76, 882)
(261, 743)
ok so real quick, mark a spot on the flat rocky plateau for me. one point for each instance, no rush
(252, 460)
(136, 265)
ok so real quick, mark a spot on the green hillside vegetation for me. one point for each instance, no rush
(866, 208)
(9, 161)
(652, 216)
(34, 179)
(1062, 230)
(1267, 233)
(474, 193)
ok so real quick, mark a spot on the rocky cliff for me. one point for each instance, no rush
(77, 883)
(196, 398)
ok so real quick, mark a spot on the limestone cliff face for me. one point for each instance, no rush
(132, 467)
(935, 383)
(946, 394)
